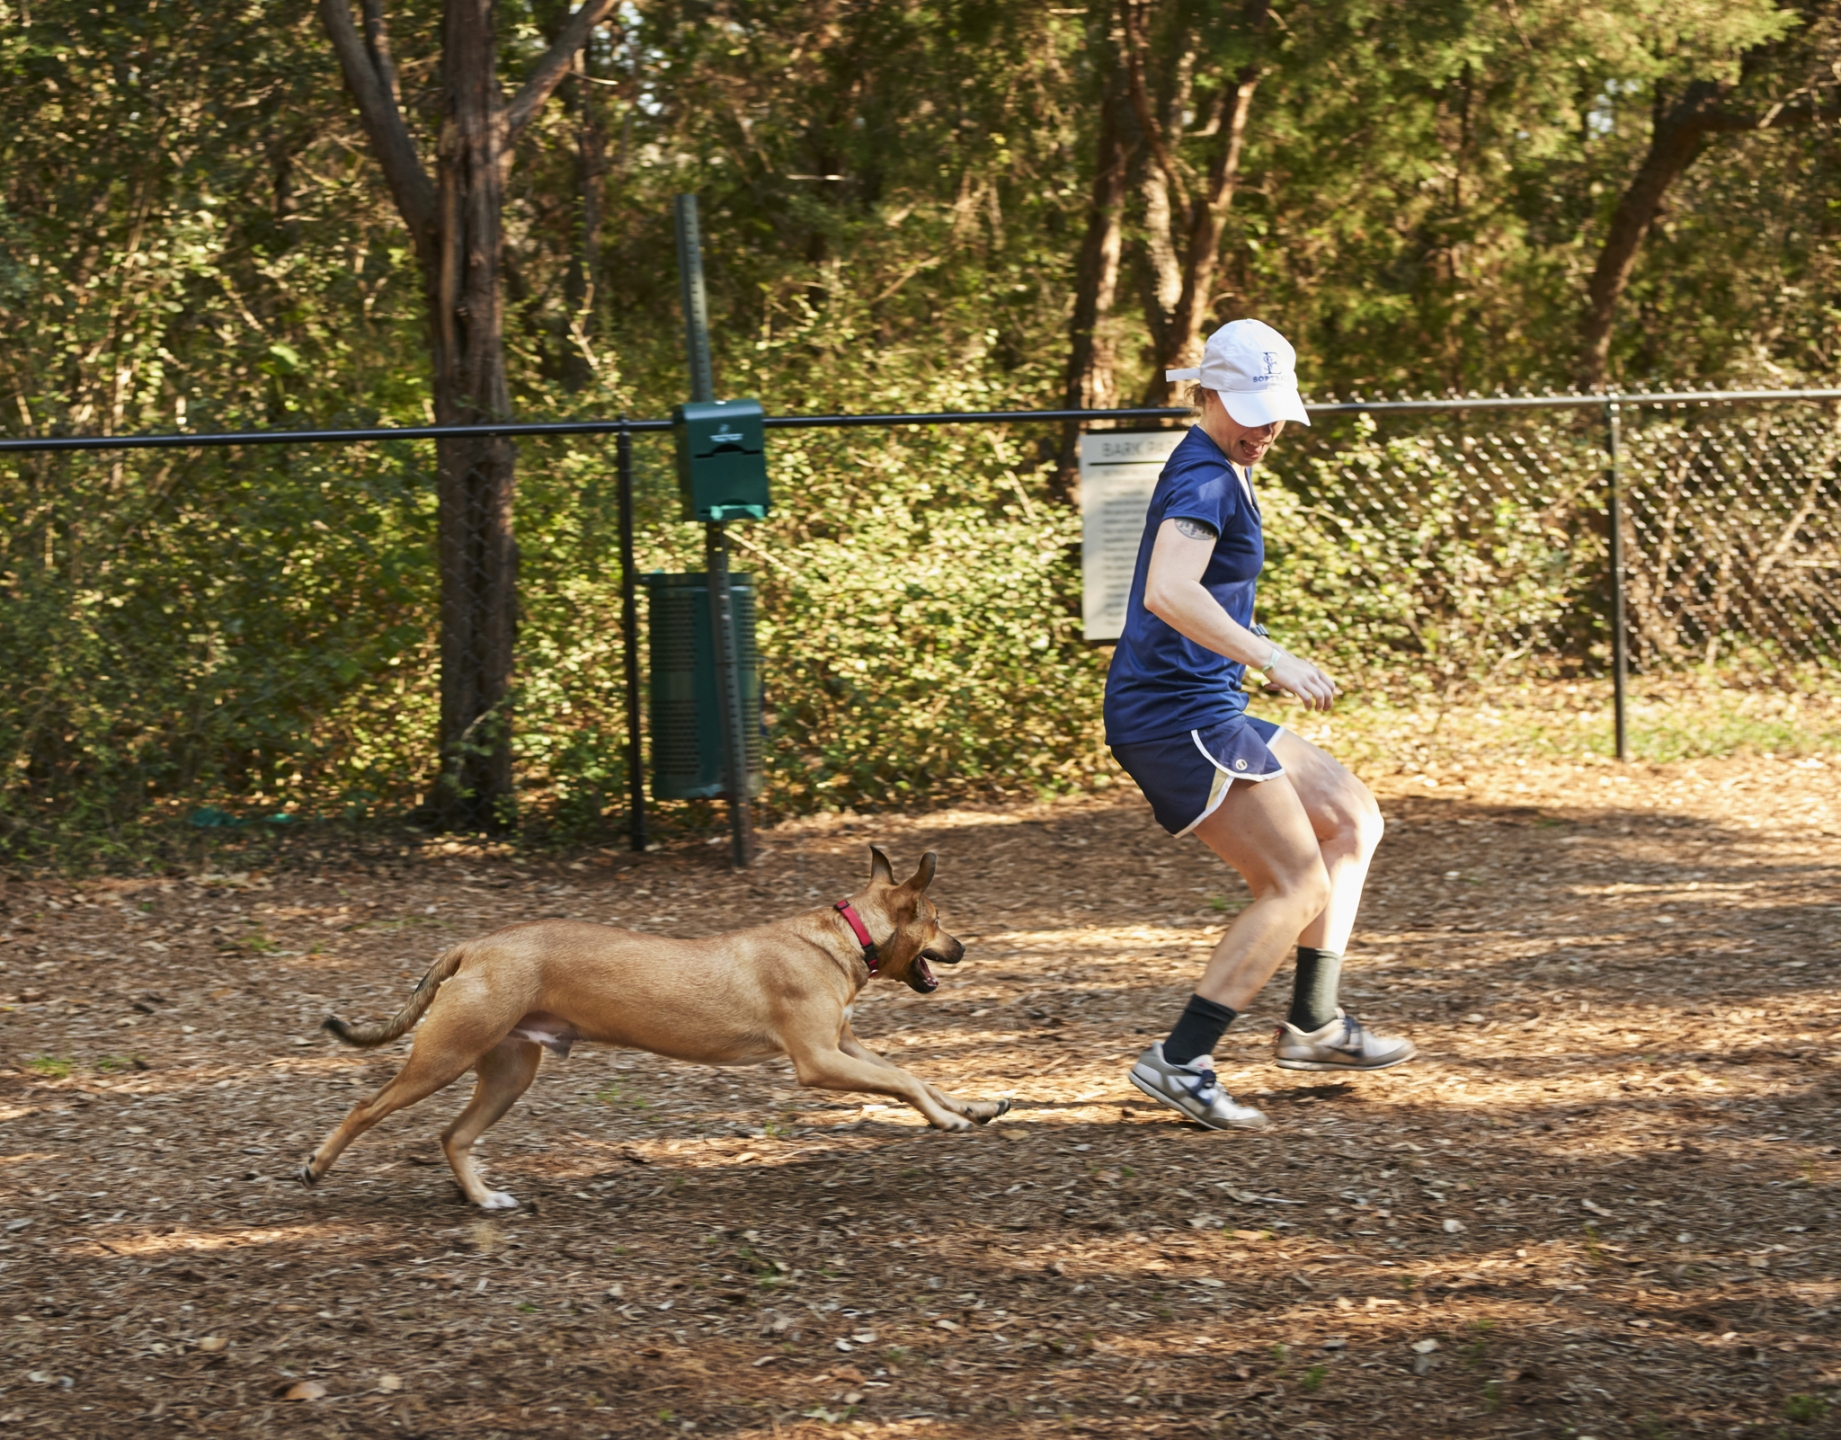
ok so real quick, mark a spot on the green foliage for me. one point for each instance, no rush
(193, 235)
(1805, 1409)
(1422, 553)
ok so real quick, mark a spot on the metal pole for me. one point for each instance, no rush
(629, 625)
(729, 691)
(716, 548)
(1619, 642)
(696, 300)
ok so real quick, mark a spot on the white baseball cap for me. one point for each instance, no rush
(1254, 370)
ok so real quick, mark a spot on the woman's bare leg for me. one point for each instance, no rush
(1263, 830)
(1347, 824)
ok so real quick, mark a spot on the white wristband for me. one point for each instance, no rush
(1271, 660)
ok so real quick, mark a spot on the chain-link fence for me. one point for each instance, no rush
(1475, 541)
(234, 629)
(1733, 533)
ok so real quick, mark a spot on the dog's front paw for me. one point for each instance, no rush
(954, 1124)
(499, 1200)
(985, 1111)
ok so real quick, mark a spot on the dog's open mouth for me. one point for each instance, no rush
(921, 977)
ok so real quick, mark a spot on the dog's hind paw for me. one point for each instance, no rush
(499, 1200)
(306, 1176)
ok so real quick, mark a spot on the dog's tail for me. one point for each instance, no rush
(366, 1036)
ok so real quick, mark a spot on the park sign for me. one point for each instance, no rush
(1118, 471)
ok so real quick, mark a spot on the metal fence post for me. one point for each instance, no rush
(716, 547)
(1619, 642)
(629, 624)
(729, 690)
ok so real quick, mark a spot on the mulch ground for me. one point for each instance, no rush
(1601, 1205)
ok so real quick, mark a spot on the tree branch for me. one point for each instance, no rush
(372, 79)
(1778, 117)
(377, 38)
(1141, 103)
(1679, 135)
(548, 72)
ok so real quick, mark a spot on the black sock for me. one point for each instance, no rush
(1203, 1023)
(1313, 992)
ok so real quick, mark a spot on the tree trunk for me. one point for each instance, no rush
(477, 476)
(1202, 255)
(1190, 243)
(455, 222)
(1091, 382)
(1678, 135)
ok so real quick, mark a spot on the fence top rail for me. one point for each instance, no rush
(1567, 402)
(513, 428)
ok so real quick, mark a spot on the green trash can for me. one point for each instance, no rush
(686, 712)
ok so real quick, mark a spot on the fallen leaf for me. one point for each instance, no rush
(305, 1390)
(1424, 1347)
(211, 1344)
(945, 1325)
(390, 1382)
(1454, 1227)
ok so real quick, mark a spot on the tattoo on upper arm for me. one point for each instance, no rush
(1197, 529)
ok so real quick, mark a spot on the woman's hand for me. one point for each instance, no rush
(1303, 679)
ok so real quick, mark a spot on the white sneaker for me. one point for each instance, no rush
(1193, 1089)
(1343, 1044)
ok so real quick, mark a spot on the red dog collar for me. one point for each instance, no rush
(861, 931)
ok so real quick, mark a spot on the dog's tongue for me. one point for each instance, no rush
(925, 972)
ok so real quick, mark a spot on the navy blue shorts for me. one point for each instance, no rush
(1186, 777)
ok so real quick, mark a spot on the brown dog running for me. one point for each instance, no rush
(495, 1004)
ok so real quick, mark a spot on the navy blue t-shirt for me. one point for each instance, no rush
(1161, 682)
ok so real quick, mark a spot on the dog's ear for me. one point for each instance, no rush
(923, 877)
(879, 867)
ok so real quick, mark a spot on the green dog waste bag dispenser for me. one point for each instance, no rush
(722, 476)
(722, 459)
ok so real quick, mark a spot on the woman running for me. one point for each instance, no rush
(1297, 826)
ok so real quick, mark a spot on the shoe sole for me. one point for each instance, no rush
(1342, 1065)
(1263, 1123)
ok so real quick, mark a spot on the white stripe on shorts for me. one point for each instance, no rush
(1223, 781)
